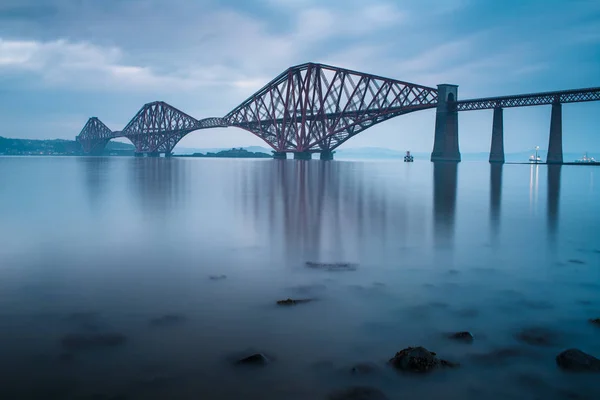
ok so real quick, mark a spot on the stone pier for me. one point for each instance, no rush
(279, 155)
(326, 155)
(555, 152)
(497, 148)
(302, 155)
(445, 145)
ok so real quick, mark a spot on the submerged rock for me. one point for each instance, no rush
(82, 341)
(462, 336)
(364, 368)
(503, 355)
(595, 321)
(576, 261)
(254, 359)
(418, 359)
(577, 360)
(358, 393)
(292, 302)
(332, 266)
(167, 320)
(538, 336)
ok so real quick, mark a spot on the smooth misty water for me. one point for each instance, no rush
(440, 248)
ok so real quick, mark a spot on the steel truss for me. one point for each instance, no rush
(94, 136)
(534, 99)
(315, 107)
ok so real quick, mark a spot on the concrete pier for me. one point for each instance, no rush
(154, 154)
(497, 148)
(168, 154)
(136, 154)
(277, 155)
(445, 145)
(302, 155)
(555, 152)
(326, 155)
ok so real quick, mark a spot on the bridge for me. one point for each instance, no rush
(314, 108)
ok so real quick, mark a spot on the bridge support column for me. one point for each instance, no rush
(497, 149)
(136, 154)
(302, 155)
(326, 155)
(154, 154)
(555, 152)
(445, 145)
(279, 155)
(168, 154)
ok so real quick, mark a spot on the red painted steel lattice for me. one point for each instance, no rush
(315, 107)
(94, 135)
(534, 99)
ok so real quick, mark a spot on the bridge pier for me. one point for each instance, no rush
(445, 145)
(279, 155)
(154, 154)
(136, 154)
(168, 154)
(326, 155)
(497, 148)
(302, 155)
(555, 152)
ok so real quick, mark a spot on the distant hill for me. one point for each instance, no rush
(231, 153)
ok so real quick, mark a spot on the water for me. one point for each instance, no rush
(444, 248)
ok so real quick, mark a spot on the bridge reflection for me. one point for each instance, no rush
(445, 177)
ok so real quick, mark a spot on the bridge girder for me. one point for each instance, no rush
(315, 107)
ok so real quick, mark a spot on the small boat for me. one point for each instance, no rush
(408, 157)
(535, 158)
(587, 160)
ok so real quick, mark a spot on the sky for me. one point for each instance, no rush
(63, 61)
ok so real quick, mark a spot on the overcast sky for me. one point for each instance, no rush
(62, 61)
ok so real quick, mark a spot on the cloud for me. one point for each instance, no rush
(86, 66)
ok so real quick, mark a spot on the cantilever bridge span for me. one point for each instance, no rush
(314, 108)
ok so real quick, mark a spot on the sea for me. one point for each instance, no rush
(149, 278)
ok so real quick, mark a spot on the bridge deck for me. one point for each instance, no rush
(533, 99)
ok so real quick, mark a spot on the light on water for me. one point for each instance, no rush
(174, 266)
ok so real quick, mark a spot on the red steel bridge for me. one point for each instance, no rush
(314, 108)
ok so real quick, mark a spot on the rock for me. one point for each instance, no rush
(254, 359)
(332, 266)
(502, 355)
(217, 277)
(576, 261)
(364, 368)
(418, 359)
(78, 341)
(595, 321)
(358, 393)
(577, 360)
(538, 336)
(167, 320)
(292, 302)
(462, 336)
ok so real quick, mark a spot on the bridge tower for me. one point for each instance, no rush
(445, 145)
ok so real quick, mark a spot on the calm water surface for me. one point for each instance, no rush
(440, 248)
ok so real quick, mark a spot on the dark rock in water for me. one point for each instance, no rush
(332, 266)
(77, 341)
(577, 360)
(217, 277)
(462, 336)
(364, 368)
(595, 321)
(575, 261)
(167, 320)
(418, 359)
(292, 302)
(254, 359)
(358, 393)
(539, 336)
(503, 355)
